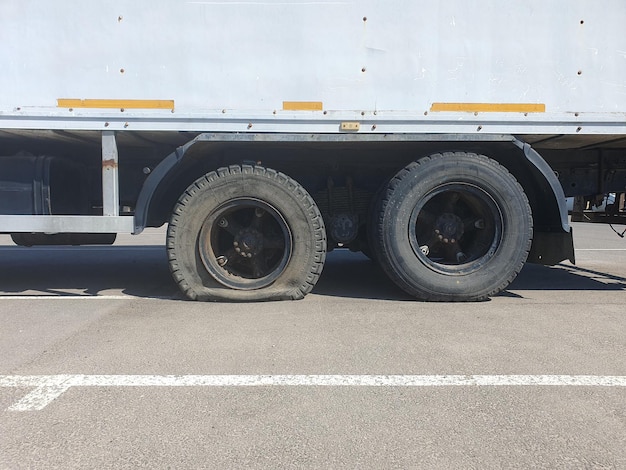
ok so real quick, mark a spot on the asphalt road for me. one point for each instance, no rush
(103, 365)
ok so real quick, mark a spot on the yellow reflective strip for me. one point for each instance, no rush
(489, 107)
(303, 106)
(121, 104)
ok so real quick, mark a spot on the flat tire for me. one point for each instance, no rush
(246, 233)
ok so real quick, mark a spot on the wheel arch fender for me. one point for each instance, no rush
(164, 185)
(552, 239)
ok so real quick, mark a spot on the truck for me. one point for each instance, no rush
(440, 139)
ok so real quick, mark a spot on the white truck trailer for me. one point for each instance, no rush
(440, 138)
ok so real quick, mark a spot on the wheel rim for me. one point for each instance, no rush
(456, 228)
(245, 244)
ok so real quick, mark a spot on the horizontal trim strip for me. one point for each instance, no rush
(112, 104)
(489, 107)
(67, 223)
(303, 106)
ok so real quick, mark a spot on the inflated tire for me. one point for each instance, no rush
(452, 227)
(246, 233)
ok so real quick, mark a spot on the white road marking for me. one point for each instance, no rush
(81, 297)
(600, 249)
(39, 398)
(50, 387)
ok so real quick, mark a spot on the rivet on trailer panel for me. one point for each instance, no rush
(250, 126)
(120, 18)
(122, 70)
(578, 129)
(480, 128)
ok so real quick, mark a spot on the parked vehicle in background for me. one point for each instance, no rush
(596, 204)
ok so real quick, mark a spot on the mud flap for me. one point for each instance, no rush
(550, 248)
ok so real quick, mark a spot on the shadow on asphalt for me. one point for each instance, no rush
(564, 277)
(353, 275)
(142, 271)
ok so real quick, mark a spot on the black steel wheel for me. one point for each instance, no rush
(456, 228)
(452, 227)
(246, 233)
(245, 244)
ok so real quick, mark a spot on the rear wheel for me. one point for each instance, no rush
(246, 233)
(452, 227)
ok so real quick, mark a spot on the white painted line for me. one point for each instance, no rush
(66, 297)
(600, 249)
(50, 387)
(39, 398)
(81, 297)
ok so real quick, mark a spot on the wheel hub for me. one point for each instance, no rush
(449, 228)
(248, 243)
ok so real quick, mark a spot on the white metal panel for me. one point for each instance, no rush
(229, 64)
